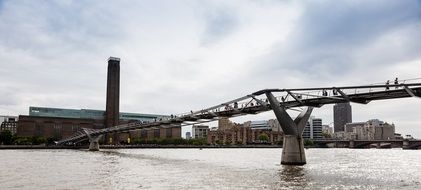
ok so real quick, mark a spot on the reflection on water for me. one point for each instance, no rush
(208, 169)
(293, 177)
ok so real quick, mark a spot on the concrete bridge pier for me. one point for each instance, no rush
(93, 143)
(93, 140)
(293, 145)
(293, 151)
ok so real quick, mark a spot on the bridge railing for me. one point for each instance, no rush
(257, 102)
(291, 95)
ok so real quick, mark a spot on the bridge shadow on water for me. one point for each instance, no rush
(293, 177)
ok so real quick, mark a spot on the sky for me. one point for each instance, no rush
(178, 56)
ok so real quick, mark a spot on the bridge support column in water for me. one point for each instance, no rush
(94, 144)
(293, 145)
(93, 141)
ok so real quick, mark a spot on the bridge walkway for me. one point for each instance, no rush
(257, 102)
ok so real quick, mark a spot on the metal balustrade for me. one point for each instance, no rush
(257, 102)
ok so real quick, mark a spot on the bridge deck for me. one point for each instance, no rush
(255, 103)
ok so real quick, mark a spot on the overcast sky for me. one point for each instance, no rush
(178, 56)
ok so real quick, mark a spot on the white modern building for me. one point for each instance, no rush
(270, 125)
(313, 129)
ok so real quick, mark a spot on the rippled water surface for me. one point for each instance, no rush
(209, 169)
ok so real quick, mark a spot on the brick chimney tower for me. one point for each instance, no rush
(112, 109)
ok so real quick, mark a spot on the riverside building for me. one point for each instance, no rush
(200, 131)
(313, 129)
(342, 114)
(373, 129)
(9, 123)
(61, 123)
(247, 133)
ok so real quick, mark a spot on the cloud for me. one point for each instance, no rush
(218, 24)
(182, 56)
(331, 37)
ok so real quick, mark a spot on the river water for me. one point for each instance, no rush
(209, 169)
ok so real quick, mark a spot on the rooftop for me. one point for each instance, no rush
(88, 114)
(114, 59)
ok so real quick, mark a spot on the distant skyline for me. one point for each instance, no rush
(178, 56)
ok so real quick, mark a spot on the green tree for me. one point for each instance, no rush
(180, 141)
(6, 137)
(218, 142)
(21, 141)
(308, 142)
(263, 137)
(38, 140)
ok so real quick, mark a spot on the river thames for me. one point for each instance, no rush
(209, 169)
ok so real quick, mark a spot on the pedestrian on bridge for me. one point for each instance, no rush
(396, 82)
(387, 85)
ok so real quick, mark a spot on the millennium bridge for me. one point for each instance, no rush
(277, 100)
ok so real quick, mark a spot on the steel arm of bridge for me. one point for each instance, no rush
(93, 140)
(410, 91)
(293, 145)
(289, 126)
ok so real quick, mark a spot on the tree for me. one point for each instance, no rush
(38, 140)
(308, 142)
(326, 135)
(21, 141)
(6, 137)
(263, 137)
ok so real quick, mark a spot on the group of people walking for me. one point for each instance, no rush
(388, 83)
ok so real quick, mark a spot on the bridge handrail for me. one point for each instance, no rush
(288, 98)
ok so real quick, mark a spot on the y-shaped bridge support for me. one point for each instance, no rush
(93, 140)
(293, 145)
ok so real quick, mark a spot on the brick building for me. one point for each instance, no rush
(247, 133)
(61, 123)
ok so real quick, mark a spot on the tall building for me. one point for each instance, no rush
(113, 96)
(342, 114)
(313, 129)
(200, 131)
